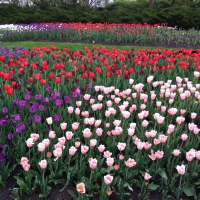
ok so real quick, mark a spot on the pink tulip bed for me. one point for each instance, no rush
(100, 124)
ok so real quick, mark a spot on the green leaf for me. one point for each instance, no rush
(164, 176)
(153, 186)
(189, 191)
(128, 186)
(72, 194)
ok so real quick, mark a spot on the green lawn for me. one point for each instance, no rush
(70, 46)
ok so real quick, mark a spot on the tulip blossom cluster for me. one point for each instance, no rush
(137, 124)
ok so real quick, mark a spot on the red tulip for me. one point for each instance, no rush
(51, 76)
(42, 82)
(69, 75)
(58, 80)
(30, 79)
(118, 72)
(85, 75)
(91, 75)
(7, 87)
(5, 66)
(6, 76)
(37, 76)
(9, 91)
(98, 69)
(1, 58)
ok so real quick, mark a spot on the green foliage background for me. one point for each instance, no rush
(174, 12)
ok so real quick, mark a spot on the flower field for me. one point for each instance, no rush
(105, 122)
(126, 34)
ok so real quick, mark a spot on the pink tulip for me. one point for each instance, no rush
(156, 141)
(197, 155)
(152, 156)
(87, 133)
(93, 142)
(107, 113)
(159, 154)
(181, 169)
(24, 160)
(191, 126)
(108, 179)
(86, 97)
(131, 81)
(41, 147)
(43, 164)
(193, 115)
(147, 176)
(52, 134)
(29, 142)
(145, 123)
(49, 120)
(121, 157)
(72, 151)
(97, 123)
(26, 167)
(77, 144)
(80, 188)
(84, 149)
(101, 148)
(147, 145)
(70, 109)
(78, 103)
(99, 132)
(46, 142)
(125, 114)
(134, 95)
(57, 152)
(117, 100)
(63, 126)
(190, 155)
(160, 119)
(91, 121)
(94, 107)
(75, 126)
(132, 125)
(131, 131)
(92, 163)
(121, 146)
(176, 152)
(182, 111)
(109, 161)
(130, 163)
(69, 135)
(62, 140)
(34, 136)
(150, 79)
(140, 145)
(107, 154)
(142, 106)
(158, 103)
(162, 138)
(171, 128)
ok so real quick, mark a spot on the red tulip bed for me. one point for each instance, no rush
(103, 33)
(99, 123)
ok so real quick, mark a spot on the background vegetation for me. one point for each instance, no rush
(184, 14)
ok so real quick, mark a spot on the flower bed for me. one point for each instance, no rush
(101, 120)
(125, 34)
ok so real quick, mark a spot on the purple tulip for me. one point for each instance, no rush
(5, 110)
(1, 148)
(38, 97)
(2, 157)
(37, 118)
(10, 136)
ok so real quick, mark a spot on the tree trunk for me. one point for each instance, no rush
(151, 3)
